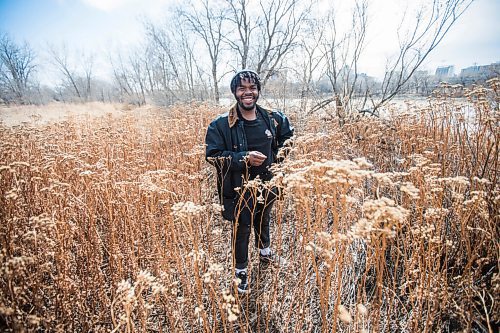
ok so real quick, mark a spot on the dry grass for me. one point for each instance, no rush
(111, 224)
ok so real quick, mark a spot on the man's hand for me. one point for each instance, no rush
(256, 158)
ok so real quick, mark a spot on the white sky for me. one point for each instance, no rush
(474, 39)
(104, 25)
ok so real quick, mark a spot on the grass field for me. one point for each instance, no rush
(110, 222)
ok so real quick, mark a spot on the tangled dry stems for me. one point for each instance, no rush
(112, 224)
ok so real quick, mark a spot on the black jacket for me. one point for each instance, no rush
(226, 148)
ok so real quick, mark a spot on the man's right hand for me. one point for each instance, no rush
(256, 158)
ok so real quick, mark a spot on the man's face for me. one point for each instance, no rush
(247, 95)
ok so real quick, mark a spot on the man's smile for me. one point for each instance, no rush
(247, 99)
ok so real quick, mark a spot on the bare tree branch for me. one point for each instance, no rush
(207, 23)
(343, 53)
(17, 65)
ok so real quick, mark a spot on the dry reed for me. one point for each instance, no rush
(111, 224)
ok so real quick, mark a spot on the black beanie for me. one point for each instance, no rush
(248, 74)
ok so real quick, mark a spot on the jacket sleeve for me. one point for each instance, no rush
(284, 135)
(217, 152)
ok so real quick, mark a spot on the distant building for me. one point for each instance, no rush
(445, 71)
(481, 71)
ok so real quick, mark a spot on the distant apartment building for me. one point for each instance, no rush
(445, 71)
(481, 71)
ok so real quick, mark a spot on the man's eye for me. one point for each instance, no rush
(243, 89)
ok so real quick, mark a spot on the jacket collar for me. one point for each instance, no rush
(233, 114)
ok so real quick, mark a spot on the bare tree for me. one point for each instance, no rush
(415, 44)
(192, 69)
(263, 36)
(428, 29)
(120, 75)
(342, 51)
(310, 58)
(187, 56)
(207, 23)
(60, 59)
(131, 76)
(174, 58)
(420, 83)
(164, 51)
(138, 76)
(87, 67)
(194, 77)
(244, 26)
(77, 70)
(17, 66)
(279, 26)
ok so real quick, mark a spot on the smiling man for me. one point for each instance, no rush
(242, 144)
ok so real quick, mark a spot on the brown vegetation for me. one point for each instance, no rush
(111, 224)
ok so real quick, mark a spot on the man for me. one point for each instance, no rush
(242, 144)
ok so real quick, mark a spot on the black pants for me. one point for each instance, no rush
(256, 214)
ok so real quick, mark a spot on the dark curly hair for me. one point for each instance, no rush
(247, 74)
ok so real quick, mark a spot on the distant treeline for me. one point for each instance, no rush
(193, 51)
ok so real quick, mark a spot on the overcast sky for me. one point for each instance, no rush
(101, 24)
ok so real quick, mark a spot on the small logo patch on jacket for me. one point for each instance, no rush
(268, 133)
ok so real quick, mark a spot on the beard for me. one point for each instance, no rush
(247, 107)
